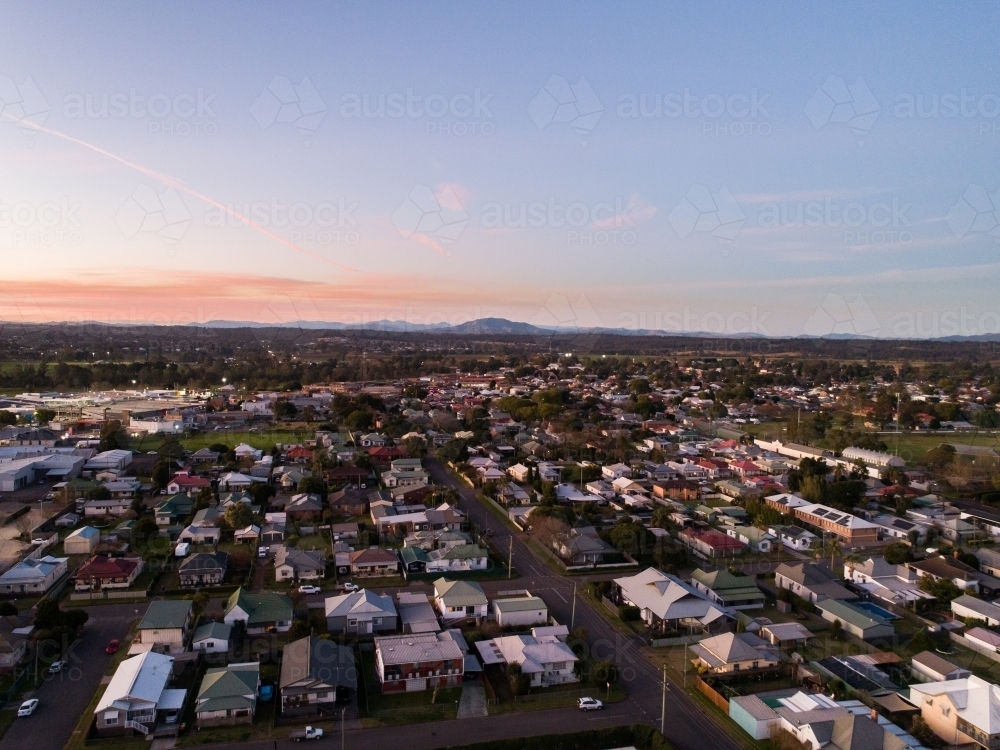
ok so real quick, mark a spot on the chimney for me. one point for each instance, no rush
(874, 716)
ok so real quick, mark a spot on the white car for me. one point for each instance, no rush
(351, 587)
(589, 704)
(39, 540)
(306, 589)
(56, 666)
(28, 707)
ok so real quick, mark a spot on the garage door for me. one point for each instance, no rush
(418, 683)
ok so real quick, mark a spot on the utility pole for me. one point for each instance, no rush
(343, 729)
(685, 665)
(663, 704)
(510, 557)
(572, 619)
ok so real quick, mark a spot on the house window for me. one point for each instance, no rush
(110, 719)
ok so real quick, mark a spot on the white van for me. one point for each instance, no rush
(182, 549)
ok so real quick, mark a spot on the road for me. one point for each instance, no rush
(686, 724)
(64, 697)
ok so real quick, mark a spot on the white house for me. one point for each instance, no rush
(212, 638)
(33, 576)
(616, 471)
(459, 600)
(520, 611)
(544, 659)
(138, 696)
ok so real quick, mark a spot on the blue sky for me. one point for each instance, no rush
(779, 169)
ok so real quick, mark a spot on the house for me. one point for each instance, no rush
(729, 590)
(734, 652)
(187, 483)
(249, 535)
(758, 540)
(205, 456)
(83, 541)
(892, 583)
(520, 611)
(172, 509)
(360, 613)
(669, 605)
(460, 600)
(616, 471)
(416, 615)
(461, 557)
(212, 638)
(854, 620)
(235, 481)
(316, 674)
(102, 572)
(519, 472)
(960, 712)
(304, 507)
(33, 575)
(260, 612)
(291, 564)
(137, 697)
(933, 668)
(202, 529)
(785, 633)
(116, 506)
(272, 533)
(374, 562)
(970, 608)
(166, 625)
(122, 489)
(14, 633)
(811, 582)
(349, 502)
(847, 527)
(576, 548)
(710, 543)
(345, 531)
(203, 569)
(793, 537)
(420, 661)
(228, 695)
(964, 576)
(545, 659)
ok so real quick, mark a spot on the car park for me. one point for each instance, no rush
(28, 707)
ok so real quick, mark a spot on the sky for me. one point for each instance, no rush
(774, 169)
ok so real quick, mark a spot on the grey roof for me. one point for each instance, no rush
(360, 602)
(417, 648)
(216, 630)
(318, 659)
(520, 604)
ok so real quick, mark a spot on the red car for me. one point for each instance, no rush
(113, 646)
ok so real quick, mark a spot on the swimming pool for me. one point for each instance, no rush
(874, 609)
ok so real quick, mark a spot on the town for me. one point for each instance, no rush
(735, 550)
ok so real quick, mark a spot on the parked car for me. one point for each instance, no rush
(266, 693)
(112, 646)
(28, 707)
(39, 540)
(262, 552)
(50, 496)
(589, 704)
(351, 587)
(56, 666)
(309, 733)
(307, 589)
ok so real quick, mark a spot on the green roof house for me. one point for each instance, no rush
(228, 695)
(728, 589)
(260, 612)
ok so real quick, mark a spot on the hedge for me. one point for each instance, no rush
(641, 736)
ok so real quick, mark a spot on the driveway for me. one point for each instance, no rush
(64, 697)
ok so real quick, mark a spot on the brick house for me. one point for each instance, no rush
(423, 661)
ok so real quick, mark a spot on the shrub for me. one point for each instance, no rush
(628, 613)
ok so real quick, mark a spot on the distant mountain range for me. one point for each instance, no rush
(504, 327)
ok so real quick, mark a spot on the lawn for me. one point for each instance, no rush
(402, 708)
(262, 728)
(262, 440)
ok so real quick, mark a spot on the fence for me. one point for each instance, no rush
(989, 653)
(15, 687)
(679, 640)
(98, 595)
(709, 692)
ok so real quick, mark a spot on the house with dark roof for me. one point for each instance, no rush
(348, 502)
(304, 507)
(291, 564)
(316, 675)
(203, 569)
(811, 581)
(228, 695)
(374, 562)
(102, 572)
